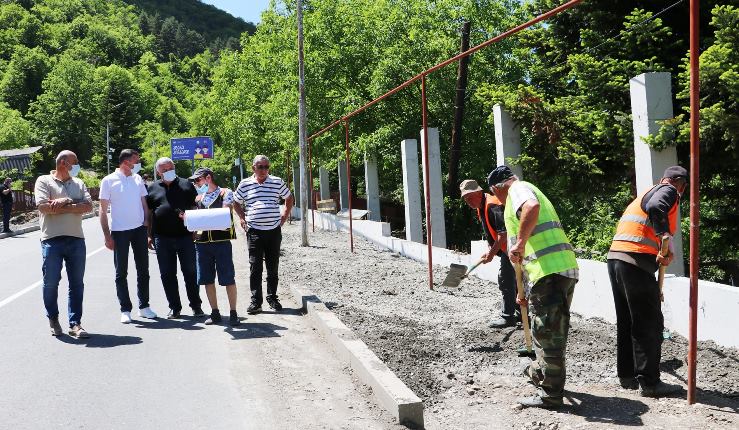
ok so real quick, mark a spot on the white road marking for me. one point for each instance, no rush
(38, 283)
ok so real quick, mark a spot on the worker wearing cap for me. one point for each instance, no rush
(213, 248)
(632, 260)
(490, 213)
(537, 240)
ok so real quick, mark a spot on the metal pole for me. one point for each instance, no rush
(694, 195)
(426, 181)
(310, 173)
(154, 165)
(349, 183)
(241, 167)
(303, 133)
(107, 144)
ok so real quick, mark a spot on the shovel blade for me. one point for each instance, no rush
(455, 275)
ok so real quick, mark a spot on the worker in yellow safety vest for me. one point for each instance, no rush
(633, 259)
(490, 213)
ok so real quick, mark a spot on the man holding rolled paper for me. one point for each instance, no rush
(647, 224)
(213, 245)
(257, 201)
(168, 199)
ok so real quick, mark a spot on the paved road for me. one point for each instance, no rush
(272, 372)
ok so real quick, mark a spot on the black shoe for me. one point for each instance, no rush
(233, 319)
(215, 317)
(198, 312)
(173, 314)
(56, 329)
(660, 389)
(629, 383)
(274, 304)
(254, 309)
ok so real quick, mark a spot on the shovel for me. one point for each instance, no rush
(664, 249)
(457, 272)
(524, 314)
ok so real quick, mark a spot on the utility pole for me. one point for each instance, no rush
(107, 144)
(455, 149)
(302, 134)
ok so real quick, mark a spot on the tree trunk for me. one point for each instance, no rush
(455, 149)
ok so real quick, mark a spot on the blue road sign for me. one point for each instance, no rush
(192, 148)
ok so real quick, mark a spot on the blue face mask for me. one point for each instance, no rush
(202, 189)
(136, 168)
(74, 170)
(169, 176)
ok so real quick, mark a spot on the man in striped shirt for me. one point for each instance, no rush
(257, 202)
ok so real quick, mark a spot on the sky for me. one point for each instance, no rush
(248, 10)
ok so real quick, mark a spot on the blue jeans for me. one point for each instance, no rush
(137, 239)
(70, 251)
(169, 249)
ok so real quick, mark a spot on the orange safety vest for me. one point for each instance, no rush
(635, 233)
(489, 201)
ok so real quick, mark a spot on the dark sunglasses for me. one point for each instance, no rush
(261, 167)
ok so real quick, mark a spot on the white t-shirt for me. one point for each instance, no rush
(124, 194)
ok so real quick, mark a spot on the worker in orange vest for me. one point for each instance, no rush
(633, 259)
(490, 213)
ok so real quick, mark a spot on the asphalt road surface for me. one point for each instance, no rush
(272, 372)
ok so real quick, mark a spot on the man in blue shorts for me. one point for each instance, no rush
(213, 248)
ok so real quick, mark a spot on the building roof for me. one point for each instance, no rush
(20, 151)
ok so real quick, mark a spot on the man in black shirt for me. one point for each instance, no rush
(168, 200)
(6, 197)
(490, 212)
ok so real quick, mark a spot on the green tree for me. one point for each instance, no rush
(21, 82)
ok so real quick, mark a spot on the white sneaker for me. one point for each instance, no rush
(147, 313)
(125, 317)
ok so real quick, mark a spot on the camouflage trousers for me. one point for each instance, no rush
(549, 303)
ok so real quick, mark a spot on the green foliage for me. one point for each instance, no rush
(15, 131)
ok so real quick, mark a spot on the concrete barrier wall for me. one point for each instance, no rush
(718, 304)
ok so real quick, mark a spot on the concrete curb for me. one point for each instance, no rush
(36, 227)
(391, 393)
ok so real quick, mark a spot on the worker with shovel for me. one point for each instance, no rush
(538, 242)
(490, 213)
(641, 245)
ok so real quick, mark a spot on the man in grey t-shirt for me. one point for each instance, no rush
(61, 199)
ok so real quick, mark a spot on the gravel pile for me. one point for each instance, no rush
(439, 344)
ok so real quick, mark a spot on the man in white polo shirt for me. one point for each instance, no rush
(257, 202)
(125, 193)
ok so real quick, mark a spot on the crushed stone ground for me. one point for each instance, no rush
(467, 374)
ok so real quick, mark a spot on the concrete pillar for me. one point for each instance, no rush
(507, 139)
(372, 186)
(343, 193)
(324, 184)
(296, 183)
(438, 227)
(651, 102)
(411, 190)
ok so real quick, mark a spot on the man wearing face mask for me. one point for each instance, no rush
(214, 253)
(632, 260)
(124, 192)
(168, 200)
(61, 199)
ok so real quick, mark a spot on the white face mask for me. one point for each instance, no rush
(169, 176)
(74, 170)
(136, 168)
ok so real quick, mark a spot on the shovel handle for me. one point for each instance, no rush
(664, 249)
(524, 308)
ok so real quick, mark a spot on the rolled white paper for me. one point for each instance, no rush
(208, 219)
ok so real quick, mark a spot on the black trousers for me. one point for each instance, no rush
(7, 208)
(639, 321)
(264, 247)
(507, 287)
(136, 239)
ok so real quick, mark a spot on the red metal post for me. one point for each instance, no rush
(426, 181)
(310, 186)
(349, 183)
(694, 195)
